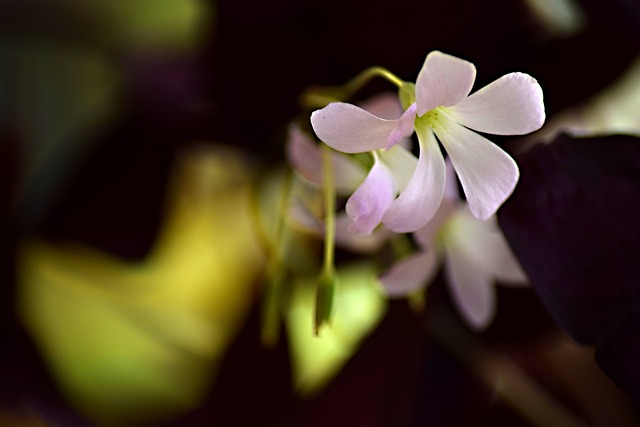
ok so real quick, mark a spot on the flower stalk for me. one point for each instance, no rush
(356, 83)
(316, 97)
(276, 276)
(327, 279)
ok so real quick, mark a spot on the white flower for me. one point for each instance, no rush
(305, 156)
(475, 255)
(437, 105)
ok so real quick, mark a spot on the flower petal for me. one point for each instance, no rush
(418, 203)
(451, 191)
(504, 266)
(511, 105)
(485, 246)
(488, 174)
(404, 126)
(306, 157)
(370, 201)
(402, 164)
(347, 174)
(303, 217)
(427, 235)
(351, 129)
(410, 274)
(472, 292)
(361, 243)
(385, 105)
(443, 81)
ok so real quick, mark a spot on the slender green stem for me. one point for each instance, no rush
(355, 84)
(275, 273)
(327, 279)
(330, 211)
(318, 97)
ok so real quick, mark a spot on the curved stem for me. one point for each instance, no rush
(355, 84)
(318, 97)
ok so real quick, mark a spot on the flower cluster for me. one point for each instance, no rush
(403, 193)
(438, 105)
(475, 254)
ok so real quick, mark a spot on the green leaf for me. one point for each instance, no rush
(358, 306)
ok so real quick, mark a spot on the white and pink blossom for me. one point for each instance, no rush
(475, 254)
(437, 106)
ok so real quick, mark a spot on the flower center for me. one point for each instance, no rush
(436, 119)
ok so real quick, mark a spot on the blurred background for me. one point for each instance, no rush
(142, 161)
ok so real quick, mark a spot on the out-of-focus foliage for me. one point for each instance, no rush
(125, 339)
(572, 223)
(295, 252)
(64, 81)
(61, 96)
(294, 249)
(358, 306)
(613, 110)
(559, 18)
(96, 97)
(146, 24)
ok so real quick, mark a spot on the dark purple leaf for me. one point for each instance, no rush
(574, 223)
(618, 357)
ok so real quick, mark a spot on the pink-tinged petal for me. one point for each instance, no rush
(485, 246)
(306, 158)
(351, 129)
(304, 155)
(347, 174)
(471, 291)
(385, 105)
(404, 126)
(419, 202)
(410, 274)
(511, 105)
(361, 243)
(488, 174)
(402, 164)
(303, 217)
(443, 81)
(427, 235)
(371, 200)
(306, 220)
(505, 267)
(451, 191)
